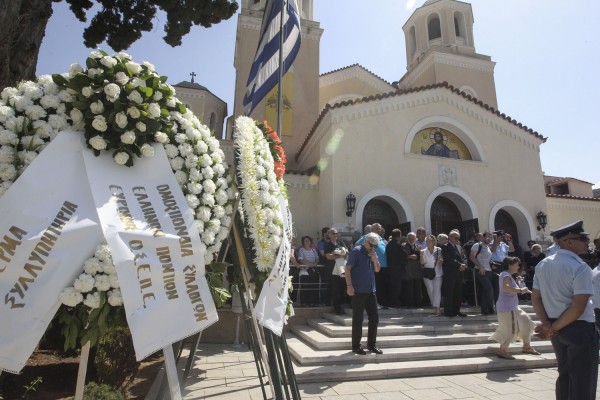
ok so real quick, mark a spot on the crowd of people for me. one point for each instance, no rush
(374, 272)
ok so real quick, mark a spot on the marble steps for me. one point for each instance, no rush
(368, 367)
(464, 325)
(306, 355)
(321, 341)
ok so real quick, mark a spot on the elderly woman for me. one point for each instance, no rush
(308, 257)
(431, 257)
(513, 322)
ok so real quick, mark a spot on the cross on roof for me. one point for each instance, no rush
(193, 74)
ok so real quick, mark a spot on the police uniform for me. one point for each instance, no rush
(558, 278)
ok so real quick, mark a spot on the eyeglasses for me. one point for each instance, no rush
(334, 233)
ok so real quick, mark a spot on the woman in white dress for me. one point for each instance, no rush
(431, 257)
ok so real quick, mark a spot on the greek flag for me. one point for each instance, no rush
(264, 72)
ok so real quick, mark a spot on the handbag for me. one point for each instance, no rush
(429, 273)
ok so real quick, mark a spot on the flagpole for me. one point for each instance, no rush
(280, 80)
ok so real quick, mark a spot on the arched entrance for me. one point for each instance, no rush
(505, 222)
(445, 216)
(379, 211)
(450, 211)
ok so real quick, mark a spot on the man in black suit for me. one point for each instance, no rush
(454, 263)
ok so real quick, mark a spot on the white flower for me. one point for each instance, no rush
(92, 300)
(108, 61)
(109, 268)
(176, 163)
(137, 82)
(149, 66)
(92, 266)
(135, 96)
(8, 172)
(209, 186)
(84, 283)
(102, 252)
(157, 96)
(133, 67)
(133, 112)
(181, 177)
(128, 137)
(192, 201)
(101, 282)
(98, 143)
(122, 56)
(194, 187)
(50, 101)
(121, 158)
(141, 126)
(147, 150)
(115, 298)
(7, 154)
(70, 297)
(154, 110)
(76, 115)
(87, 91)
(171, 150)
(97, 107)
(96, 54)
(92, 72)
(114, 281)
(171, 102)
(161, 137)
(99, 123)
(112, 91)
(121, 78)
(121, 120)
(74, 69)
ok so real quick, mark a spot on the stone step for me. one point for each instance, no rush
(334, 330)
(320, 341)
(399, 318)
(369, 368)
(306, 355)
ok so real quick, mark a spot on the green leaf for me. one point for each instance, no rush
(181, 108)
(163, 79)
(59, 80)
(91, 63)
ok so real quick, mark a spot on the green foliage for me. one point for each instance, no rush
(215, 272)
(95, 391)
(31, 388)
(122, 22)
(79, 324)
(115, 357)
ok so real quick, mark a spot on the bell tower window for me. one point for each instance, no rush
(412, 43)
(460, 28)
(434, 28)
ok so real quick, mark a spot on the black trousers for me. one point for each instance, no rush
(382, 284)
(360, 303)
(338, 292)
(576, 349)
(452, 292)
(395, 279)
(411, 292)
(325, 292)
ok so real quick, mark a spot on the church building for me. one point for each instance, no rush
(430, 149)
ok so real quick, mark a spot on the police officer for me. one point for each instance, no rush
(562, 287)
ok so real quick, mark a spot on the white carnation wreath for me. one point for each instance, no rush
(261, 191)
(122, 106)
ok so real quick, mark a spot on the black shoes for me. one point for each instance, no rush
(359, 350)
(375, 350)
(461, 314)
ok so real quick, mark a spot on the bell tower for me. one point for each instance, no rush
(300, 83)
(440, 47)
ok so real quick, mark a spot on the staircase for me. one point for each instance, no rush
(414, 343)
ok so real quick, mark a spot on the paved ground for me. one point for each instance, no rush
(224, 372)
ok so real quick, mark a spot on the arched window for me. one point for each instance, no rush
(213, 121)
(434, 28)
(460, 28)
(412, 43)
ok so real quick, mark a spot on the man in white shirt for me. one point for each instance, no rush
(562, 287)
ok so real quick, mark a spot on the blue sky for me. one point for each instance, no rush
(546, 54)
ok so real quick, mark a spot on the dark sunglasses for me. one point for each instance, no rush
(581, 238)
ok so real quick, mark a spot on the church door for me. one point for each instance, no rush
(378, 211)
(505, 222)
(445, 216)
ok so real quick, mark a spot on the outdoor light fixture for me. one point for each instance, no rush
(542, 220)
(350, 204)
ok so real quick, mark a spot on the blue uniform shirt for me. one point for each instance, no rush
(379, 250)
(362, 270)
